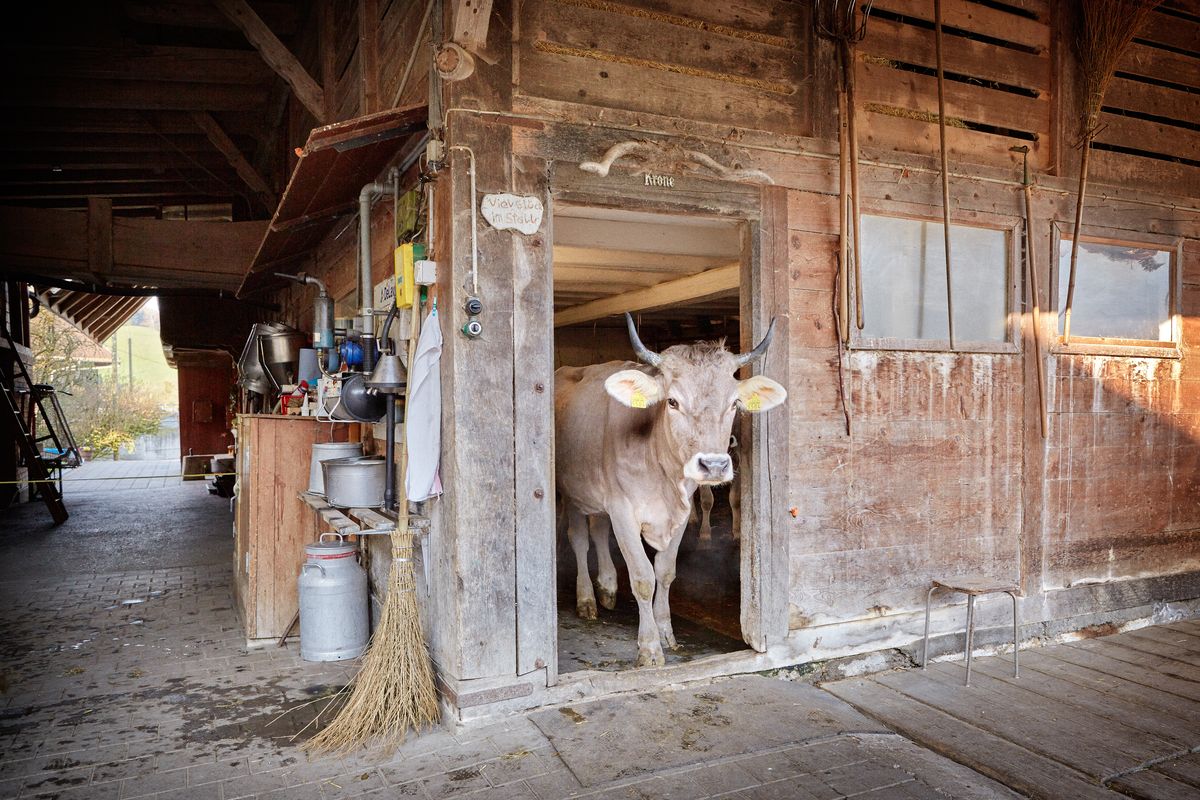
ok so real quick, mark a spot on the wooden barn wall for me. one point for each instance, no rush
(745, 63)
(1000, 80)
(945, 470)
(1149, 135)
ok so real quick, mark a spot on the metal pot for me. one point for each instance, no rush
(354, 482)
(325, 451)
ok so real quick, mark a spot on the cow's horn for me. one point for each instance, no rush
(643, 353)
(760, 350)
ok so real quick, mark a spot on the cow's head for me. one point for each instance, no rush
(696, 396)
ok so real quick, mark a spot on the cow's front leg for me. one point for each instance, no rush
(664, 573)
(606, 572)
(577, 533)
(641, 579)
(706, 504)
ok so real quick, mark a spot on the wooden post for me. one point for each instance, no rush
(941, 87)
(100, 246)
(368, 56)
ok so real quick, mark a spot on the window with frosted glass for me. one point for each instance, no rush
(1122, 291)
(904, 281)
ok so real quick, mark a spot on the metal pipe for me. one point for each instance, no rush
(474, 225)
(389, 416)
(366, 311)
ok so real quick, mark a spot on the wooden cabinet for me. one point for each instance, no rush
(272, 523)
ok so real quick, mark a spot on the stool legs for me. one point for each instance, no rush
(925, 648)
(970, 634)
(1016, 635)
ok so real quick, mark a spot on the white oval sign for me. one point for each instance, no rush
(512, 212)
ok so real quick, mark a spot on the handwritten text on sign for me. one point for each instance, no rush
(512, 212)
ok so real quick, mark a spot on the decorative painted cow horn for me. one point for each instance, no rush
(643, 353)
(760, 349)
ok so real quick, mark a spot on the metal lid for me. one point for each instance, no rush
(332, 548)
(352, 461)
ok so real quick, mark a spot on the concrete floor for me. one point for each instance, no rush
(125, 675)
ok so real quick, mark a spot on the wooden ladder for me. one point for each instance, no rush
(14, 421)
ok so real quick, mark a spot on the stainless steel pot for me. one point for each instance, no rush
(323, 451)
(354, 482)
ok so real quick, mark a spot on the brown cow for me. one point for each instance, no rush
(632, 444)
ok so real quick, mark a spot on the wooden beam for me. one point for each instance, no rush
(282, 17)
(681, 290)
(167, 64)
(135, 95)
(100, 249)
(277, 56)
(52, 162)
(327, 42)
(471, 18)
(106, 120)
(244, 169)
(108, 142)
(368, 56)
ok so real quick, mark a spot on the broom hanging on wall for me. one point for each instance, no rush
(1105, 29)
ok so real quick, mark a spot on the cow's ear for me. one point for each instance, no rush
(633, 388)
(760, 393)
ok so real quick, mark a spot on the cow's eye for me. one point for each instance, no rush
(673, 403)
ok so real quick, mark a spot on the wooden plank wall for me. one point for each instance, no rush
(711, 62)
(1150, 135)
(999, 80)
(945, 470)
(929, 480)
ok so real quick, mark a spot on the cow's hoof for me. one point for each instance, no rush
(651, 658)
(607, 599)
(586, 609)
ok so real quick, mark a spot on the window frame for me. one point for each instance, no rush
(1108, 346)
(1010, 225)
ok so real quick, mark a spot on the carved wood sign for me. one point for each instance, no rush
(504, 212)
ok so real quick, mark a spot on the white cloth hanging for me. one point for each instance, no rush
(423, 428)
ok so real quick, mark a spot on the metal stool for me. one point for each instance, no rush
(971, 586)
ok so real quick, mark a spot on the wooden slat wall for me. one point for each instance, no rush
(710, 62)
(1151, 135)
(1123, 470)
(999, 80)
(929, 481)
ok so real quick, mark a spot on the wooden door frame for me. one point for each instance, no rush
(764, 438)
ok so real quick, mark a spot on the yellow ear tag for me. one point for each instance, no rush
(638, 400)
(754, 403)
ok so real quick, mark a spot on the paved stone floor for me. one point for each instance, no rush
(124, 675)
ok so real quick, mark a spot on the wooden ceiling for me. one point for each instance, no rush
(607, 261)
(153, 104)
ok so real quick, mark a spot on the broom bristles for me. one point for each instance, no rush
(1106, 29)
(394, 691)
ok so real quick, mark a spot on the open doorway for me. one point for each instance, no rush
(681, 277)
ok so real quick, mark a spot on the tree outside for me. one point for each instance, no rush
(105, 409)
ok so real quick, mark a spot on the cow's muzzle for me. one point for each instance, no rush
(709, 468)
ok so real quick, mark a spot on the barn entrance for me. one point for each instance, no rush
(681, 277)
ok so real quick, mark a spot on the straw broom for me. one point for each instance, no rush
(394, 691)
(1106, 27)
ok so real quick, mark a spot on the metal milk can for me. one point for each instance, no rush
(334, 621)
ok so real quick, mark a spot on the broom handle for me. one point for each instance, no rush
(1083, 171)
(852, 123)
(843, 290)
(413, 329)
(1032, 279)
(941, 87)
